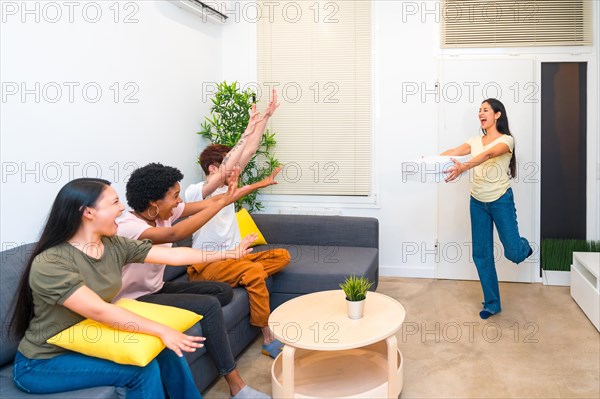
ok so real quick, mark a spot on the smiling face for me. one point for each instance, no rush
(105, 211)
(169, 202)
(487, 116)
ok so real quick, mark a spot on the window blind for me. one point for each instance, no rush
(317, 54)
(516, 23)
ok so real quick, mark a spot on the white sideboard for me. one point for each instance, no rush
(585, 284)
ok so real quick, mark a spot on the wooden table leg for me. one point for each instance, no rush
(287, 366)
(392, 354)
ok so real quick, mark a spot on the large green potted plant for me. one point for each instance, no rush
(557, 257)
(229, 116)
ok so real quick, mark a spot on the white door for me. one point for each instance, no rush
(463, 85)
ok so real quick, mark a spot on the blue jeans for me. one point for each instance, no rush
(204, 298)
(484, 215)
(71, 371)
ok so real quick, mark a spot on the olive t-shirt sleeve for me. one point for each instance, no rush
(55, 275)
(134, 251)
(53, 279)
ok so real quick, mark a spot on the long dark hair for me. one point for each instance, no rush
(502, 127)
(63, 222)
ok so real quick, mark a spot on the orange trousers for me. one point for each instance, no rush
(250, 272)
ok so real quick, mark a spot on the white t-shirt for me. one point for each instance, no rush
(142, 278)
(219, 233)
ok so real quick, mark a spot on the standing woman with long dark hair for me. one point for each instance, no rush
(73, 274)
(492, 202)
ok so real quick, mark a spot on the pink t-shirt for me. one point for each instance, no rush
(142, 278)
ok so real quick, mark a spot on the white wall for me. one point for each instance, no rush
(161, 58)
(406, 51)
(174, 58)
(401, 130)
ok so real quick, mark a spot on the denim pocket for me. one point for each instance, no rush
(20, 366)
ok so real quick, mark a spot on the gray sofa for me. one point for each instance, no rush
(324, 249)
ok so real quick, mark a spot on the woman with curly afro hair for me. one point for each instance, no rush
(153, 194)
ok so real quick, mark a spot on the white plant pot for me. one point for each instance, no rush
(554, 277)
(356, 309)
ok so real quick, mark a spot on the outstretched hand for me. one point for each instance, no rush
(454, 171)
(243, 248)
(270, 180)
(252, 122)
(266, 182)
(273, 105)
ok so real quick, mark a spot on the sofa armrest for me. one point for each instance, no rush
(344, 231)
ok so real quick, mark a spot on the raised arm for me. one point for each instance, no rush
(255, 139)
(201, 212)
(88, 304)
(459, 168)
(246, 147)
(232, 158)
(266, 182)
(185, 228)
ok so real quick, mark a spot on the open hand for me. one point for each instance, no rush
(179, 342)
(270, 180)
(454, 171)
(273, 105)
(243, 248)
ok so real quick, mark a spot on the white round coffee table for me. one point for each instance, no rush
(328, 354)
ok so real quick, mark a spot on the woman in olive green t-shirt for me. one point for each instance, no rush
(73, 274)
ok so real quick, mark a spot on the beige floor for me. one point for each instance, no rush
(540, 346)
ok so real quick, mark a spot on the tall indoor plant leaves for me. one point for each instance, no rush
(228, 119)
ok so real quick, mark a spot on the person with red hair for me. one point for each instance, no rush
(222, 230)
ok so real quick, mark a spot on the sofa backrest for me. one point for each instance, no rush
(12, 263)
(344, 231)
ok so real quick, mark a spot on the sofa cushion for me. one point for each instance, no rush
(237, 309)
(9, 390)
(320, 268)
(12, 264)
(347, 231)
(126, 346)
(247, 226)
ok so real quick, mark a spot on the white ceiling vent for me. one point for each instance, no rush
(203, 10)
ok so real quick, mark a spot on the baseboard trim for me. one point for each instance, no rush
(406, 271)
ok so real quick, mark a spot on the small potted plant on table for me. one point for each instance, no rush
(356, 289)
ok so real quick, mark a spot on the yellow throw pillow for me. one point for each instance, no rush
(125, 345)
(247, 226)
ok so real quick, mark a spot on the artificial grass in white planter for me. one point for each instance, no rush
(557, 257)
